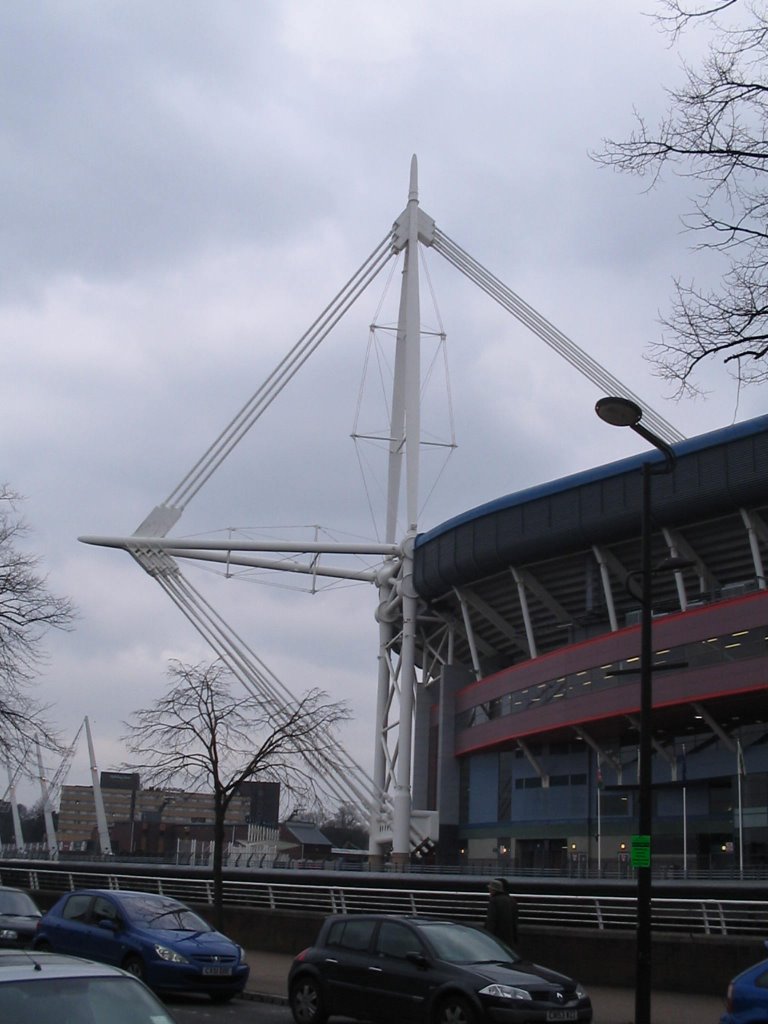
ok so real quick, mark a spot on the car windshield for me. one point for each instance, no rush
(85, 1000)
(458, 944)
(160, 912)
(17, 903)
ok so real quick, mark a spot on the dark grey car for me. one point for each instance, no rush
(388, 968)
(19, 916)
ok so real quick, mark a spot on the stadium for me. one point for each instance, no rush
(529, 748)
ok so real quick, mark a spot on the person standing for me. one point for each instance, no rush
(501, 914)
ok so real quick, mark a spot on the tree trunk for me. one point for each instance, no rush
(219, 811)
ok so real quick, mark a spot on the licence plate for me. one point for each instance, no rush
(554, 1015)
(223, 971)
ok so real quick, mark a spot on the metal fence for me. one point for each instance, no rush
(202, 855)
(694, 916)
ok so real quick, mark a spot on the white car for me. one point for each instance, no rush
(48, 988)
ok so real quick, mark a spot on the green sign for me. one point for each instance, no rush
(641, 851)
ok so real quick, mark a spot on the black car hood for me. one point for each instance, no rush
(522, 974)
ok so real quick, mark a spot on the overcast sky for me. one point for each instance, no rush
(185, 185)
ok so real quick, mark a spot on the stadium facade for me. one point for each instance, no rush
(526, 740)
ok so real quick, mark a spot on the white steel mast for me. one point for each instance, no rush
(50, 831)
(98, 799)
(17, 832)
(398, 679)
(388, 795)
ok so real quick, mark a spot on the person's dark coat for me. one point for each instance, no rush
(501, 916)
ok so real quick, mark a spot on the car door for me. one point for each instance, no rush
(67, 932)
(103, 941)
(399, 975)
(345, 966)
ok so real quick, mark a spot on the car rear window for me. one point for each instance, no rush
(114, 1000)
(353, 935)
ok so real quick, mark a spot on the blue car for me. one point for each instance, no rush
(747, 999)
(156, 938)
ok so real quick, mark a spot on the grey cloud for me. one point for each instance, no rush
(119, 149)
(185, 186)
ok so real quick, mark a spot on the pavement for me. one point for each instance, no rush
(269, 972)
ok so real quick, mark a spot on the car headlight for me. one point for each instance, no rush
(505, 992)
(580, 992)
(8, 933)
(170, 955)
(240, 955)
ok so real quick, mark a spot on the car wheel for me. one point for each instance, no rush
(455, 1010)
(221, 997)
(135, 966)
(306, 1001)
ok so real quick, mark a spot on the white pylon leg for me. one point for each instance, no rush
(397, 685)
(50, 831)
(379, 816)
(105, 846)
(402, 806)
(18, 835)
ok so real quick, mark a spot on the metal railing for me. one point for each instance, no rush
(664, 869)
(694, 916)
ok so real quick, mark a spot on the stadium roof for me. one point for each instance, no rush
(716, 474)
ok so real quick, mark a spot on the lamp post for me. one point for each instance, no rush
(621, 412)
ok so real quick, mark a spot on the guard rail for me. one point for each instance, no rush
(694, 916)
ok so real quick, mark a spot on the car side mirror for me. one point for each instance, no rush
(414, 957)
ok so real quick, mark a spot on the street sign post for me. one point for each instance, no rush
(641, 851)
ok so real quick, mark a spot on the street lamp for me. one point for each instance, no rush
(621, 412)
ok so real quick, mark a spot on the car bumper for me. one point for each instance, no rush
(10, 939)
(170, 977)
(520, 1011)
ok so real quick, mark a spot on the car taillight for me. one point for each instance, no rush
(729, 999)
(300, 956)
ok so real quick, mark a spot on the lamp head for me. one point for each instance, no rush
(619, 412)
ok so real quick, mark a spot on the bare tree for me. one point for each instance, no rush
(345, 827)
(27, 611)
(716, 134)
(204, 737)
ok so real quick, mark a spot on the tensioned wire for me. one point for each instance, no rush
(548, 333)
(280, 376)
(345, 778)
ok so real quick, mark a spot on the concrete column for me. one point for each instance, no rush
(452, 679)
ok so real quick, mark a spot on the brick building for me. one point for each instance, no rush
(152, 821)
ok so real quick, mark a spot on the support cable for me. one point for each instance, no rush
(548, 333)
(280, 376)
(347, 780)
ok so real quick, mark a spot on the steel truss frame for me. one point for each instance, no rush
(408, 661)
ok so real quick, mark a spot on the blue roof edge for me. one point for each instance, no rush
(757, 425)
